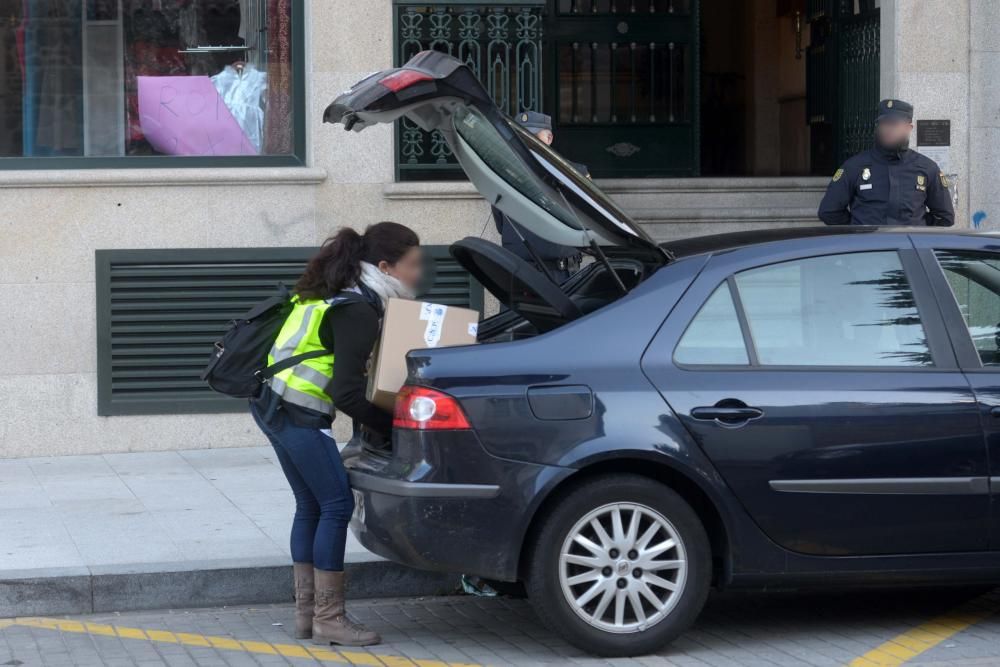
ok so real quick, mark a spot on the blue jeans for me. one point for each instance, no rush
(323, 499)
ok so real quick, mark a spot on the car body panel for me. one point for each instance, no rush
(796, 468)
(621, 355)
(447, 528)
(985, 381)
(492, 381)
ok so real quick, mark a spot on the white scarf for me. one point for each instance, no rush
(384, 285)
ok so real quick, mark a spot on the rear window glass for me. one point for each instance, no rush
(714, 336)
(493, 149)
(596, 200)
(839, 310)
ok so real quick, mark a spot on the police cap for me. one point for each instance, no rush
(895, 110)
(534, 121)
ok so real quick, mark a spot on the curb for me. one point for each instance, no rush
(207, 584)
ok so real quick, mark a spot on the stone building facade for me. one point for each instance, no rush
(942, 55)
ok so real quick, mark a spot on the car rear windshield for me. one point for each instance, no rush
(582, 186)
(495, 151)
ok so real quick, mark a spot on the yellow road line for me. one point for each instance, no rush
(926, 636)
(227, 643)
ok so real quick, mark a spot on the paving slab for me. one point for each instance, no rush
(150, 530)
(737, 629)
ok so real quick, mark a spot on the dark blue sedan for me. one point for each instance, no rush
(780, 408)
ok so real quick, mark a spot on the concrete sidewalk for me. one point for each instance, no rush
(84, 534)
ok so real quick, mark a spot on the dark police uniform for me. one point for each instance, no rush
(889, 187)
(561, 261)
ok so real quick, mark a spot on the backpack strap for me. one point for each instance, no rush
(372, 298)
(280, 299)
(363, 295)
(275, 368)
(294, 360)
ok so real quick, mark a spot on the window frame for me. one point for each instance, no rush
(938, 344)
(296, 159)
(961, 339)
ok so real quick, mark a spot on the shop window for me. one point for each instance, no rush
(97, 83)
(159, 311)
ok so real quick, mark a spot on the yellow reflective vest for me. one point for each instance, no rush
(306, 384)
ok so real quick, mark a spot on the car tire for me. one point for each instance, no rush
(566, 567)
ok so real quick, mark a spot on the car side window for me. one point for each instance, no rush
(853, 309)
(974, 279)
(714, 336)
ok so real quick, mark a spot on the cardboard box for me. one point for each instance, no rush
(414, 325)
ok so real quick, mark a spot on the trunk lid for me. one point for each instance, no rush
(512, 169)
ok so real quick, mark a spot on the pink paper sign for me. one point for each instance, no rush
(185, 115)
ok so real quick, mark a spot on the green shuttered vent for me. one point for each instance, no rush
(158, 312)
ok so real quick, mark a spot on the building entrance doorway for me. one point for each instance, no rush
(662, 88)
(622, 85)
(673, 88)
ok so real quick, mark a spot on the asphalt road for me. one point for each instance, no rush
(940, 626)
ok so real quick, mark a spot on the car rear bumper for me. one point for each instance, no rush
(399, 487)
(443, 503)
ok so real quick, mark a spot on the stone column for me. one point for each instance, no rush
(984, 105)
(926, 61)
(763, 136)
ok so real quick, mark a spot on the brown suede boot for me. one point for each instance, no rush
(330, 622)
(305, 599)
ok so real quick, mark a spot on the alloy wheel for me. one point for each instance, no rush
(622, 567)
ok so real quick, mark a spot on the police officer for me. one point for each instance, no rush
(889, 184)
(560, 261)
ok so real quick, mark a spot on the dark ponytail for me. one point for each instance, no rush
(337, 265)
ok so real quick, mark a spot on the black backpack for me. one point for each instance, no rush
(238, 365)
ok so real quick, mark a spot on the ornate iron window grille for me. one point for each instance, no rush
(859, 81)
(843, 78)
(501, 43)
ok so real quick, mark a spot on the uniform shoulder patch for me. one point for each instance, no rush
(837, 175)
(944, 181)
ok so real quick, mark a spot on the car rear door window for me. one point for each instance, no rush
(847, 310)
(714, 336)
(974, 279)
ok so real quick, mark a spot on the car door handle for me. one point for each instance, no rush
(728, 414)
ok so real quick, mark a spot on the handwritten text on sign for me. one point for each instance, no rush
(185, 115)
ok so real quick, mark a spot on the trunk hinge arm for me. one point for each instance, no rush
(593, 244)
(531, 251)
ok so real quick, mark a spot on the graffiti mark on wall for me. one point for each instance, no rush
(978, 218)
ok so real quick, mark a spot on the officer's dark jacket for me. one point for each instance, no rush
(547, 250)
(880, 187)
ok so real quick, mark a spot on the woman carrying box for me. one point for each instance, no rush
(338, 305)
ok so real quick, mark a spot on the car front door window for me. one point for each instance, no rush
(973, 277)
(975, 282)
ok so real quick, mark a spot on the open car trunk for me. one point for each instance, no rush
(521, 176)
(532, 303)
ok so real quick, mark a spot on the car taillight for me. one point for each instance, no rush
(403, 78)
(427, 410)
